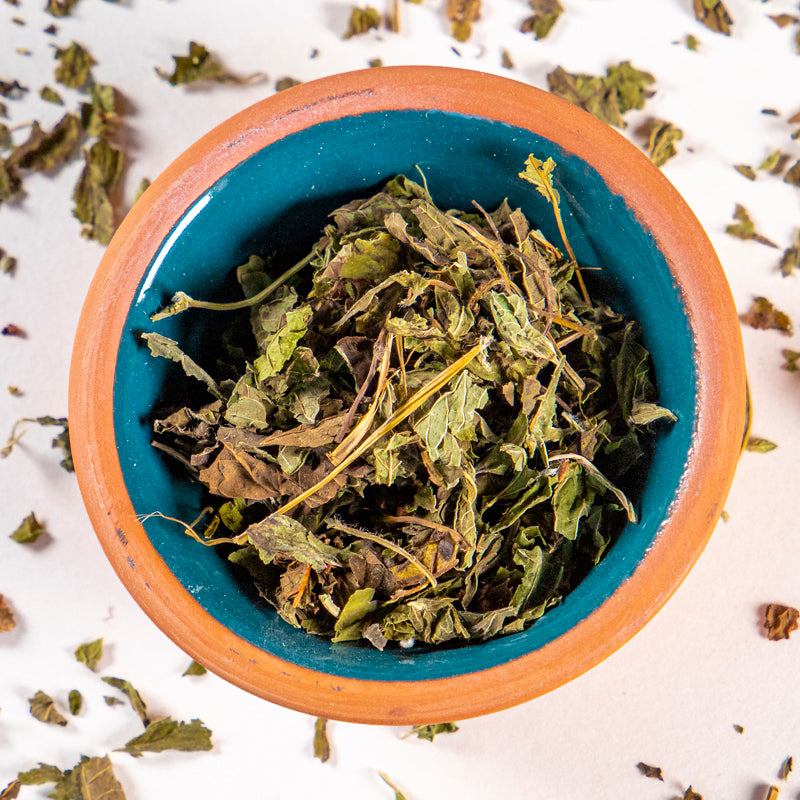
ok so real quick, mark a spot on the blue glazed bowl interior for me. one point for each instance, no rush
(276, 202)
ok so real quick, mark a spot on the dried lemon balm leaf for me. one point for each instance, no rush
(780, 621)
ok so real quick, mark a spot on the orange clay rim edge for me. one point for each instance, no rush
(719, 363)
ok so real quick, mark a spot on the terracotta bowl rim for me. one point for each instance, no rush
(710, 468)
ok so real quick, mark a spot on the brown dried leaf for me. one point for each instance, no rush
(763, 315)
(7, 621)
(44, 709)
(780, 621)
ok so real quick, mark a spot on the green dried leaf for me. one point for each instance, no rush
(362, 20)
(75, 702)
(792, 363)
(136, 701)
(43, 708)
(690, 794)
(429, 732)
(199, 64)
(738, 728)
(44, 773)
(29, 530)
(714, 15)
(163, 347)
(662, 136)
(74, 66)
(322, 747)
(279, 535)
(758, 445)
(286, 83)
(14, 90)
(167, 734)
(398, 795)
(100, 115)
(746, 170)
(650, 772)
(350, 622)
(194, 669)
(745, 228)
(47, 151)
(790, 260)
(545, 16)
(93, 208)
(280, 346)
(692, 42)
(90, 653)
(50, 96)
(764, 316)
(461, 14)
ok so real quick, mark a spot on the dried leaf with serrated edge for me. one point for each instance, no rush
(29, 530)
(194, 669)
(429, 732)
(167, 734)
(44, 773)
(75, 702)
(649, 771)
(461, 14)
(43, 708)
(322, 747)
(100, 175)
(90, 653)
(763, 315)
(758, 445)
(780, 621)
(713, 14)
(136, 701)
(74, 65)
(7, 621)
(545, 16)
(745, 228)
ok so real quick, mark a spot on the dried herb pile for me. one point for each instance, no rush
(425, 442)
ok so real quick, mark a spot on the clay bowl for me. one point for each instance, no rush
(263, 182)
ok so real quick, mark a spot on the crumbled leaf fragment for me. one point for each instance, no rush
(763, 315)
(398, 795)
(738, 728)
(112, 701)
(29, 530)
(772, 793)
(692, 42)
(791, 360)
(286, 83)
(100, 115)
(691, 794)
(714, 15)
(163, 347)
(544, 17)
(649, 771)
(45, 151)
(322, 747)
(790, 260)
(782, 20)
(375, 62)
(90, 653)
(135, 699)
(8, 264)
(167, 734)
(362, 20)
(44, 773)
(429, 732)
(746, 170)
(780, 621)
(100, 175)
(51, 96)
(7, 621)
(786, 768)
(13, 89)
(745, 228)
(758, 445)
(506, 61)
(44, 709)
(661, 138)
(61, 441)
(13, 330)
(75, 702)
(199, 64)
(60, 8)
(194, 669)
(792, 175)
(74, 65)
(15, 391)
(461, 14)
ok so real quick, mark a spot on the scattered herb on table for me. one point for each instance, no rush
(167, 734)
(75, 702)
(112, 701)
(782, 20)
(398, 795)
(609, 97)
(649, 771)
(775, 162)
(763, 315)
(90, 653)
(15, 391)
(786, 768)
(425, 448)
(29, 530)
(430, 732)
(7, 621)
(780, 621)
(792, 360)
(758, 445)
(792, 175)
(661, 137)
(692, 42)
(100, 176)
(322, 746)
(714, 14)
(362, 20)
(461, 14)
(44, 709)
(13, 89)
(746, 170)
(135, 699)
(738, 728)
(194, 669)
(14, 330)
(745, 228)
(75, 64)
(286, 83)
(61, 441)
(60, 8)
(89, 778)
(690, 793)
(8, 264)
(199, 64)
(790, 260)
(544, 17)
(51, 96)
(772, 793)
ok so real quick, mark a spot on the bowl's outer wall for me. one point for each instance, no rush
(717, 417)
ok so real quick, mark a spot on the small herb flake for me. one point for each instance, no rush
(758, 445)
(692, 42)
(61, 441)
(398, 795)
(792, 176)
(649, 771)
(135, 699)
(7, 621)
(714, 15)
(93, 208)
(74, 65)
(745, 228)
(786, 768)
(762, 315)
(738, 728)
(461, 14)
(15, 391)
(8, 264)
(746, 170)
(44, 709)
(14, 330)
(286, 83)
(362, 20)
(60, 8)
(90, 653)
(29, 530)
(194, 669)
(691, 794)
(545, 16)
(322, 746)
(429, 732)
(790, 260)
(792, 360)
(50, 95)
(75, 702)
(661, 137)
(199, 64)
(780, 621)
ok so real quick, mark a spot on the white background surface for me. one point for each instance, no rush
(672, 695)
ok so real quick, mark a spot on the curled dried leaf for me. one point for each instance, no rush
(780, 621)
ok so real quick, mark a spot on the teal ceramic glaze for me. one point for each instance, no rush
(276, 202)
